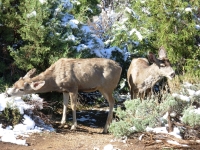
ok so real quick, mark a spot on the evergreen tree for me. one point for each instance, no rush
(42, 32)
(85, 9)
(172, 24)
(8, 36)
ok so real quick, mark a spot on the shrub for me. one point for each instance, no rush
(10, 116)
(138, 115)
(191, 117)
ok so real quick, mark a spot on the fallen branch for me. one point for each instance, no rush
(168, 140)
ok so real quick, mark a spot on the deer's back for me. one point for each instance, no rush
(86, 74)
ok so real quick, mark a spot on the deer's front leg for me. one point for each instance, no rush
(73, 98)
(65, 104)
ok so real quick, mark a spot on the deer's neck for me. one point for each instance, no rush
(40, 77)
(49, 85)
(151, 79)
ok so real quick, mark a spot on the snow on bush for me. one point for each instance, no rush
(149, 116)
(27, 126)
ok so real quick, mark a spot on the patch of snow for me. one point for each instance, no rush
(108, 147)
(129, 10)
(176, 143)
(158, 141)
(174, 94)
(197, 111)
(182, 97)
(43, 1)
(146, 10)
(157, 130)
(143, 1)
(85, 29)
(137, 33)
(82, 119)
(71, 38)
(133, 128)
(81, 47)
(32, 14)
(66, 19)
(9, 136)
(73, 23)
(197, 27)
(197, 93)
(140, 138)
(188, 9)
(175, 133)
(191, 92)
(75, 2)
(187, 84)
(173, 114)
(67, 4)
(28, 126)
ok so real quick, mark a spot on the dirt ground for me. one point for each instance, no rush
(72, 140)
(85, 138)
(88, 136)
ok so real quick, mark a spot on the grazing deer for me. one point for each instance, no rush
(70, 76)
(142, 76)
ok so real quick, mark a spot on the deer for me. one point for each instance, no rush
(144, 73)
(70, 76)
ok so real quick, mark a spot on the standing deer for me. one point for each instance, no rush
(142, 76)
(70, 76)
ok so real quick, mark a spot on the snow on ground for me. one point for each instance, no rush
(28, 126)
(176, 131)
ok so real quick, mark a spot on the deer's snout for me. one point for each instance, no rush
(172, 75)
(7, 92)
(7, 95)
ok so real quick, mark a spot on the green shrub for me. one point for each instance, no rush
(138, 115)
(10, 116)
(3, 85)
(191, 117)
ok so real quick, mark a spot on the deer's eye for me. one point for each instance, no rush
(21, 89)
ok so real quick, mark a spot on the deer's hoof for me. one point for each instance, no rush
(62, 122)
(73, 127)
(105, 131)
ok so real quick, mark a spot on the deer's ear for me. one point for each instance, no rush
(37, 85)
(152, 58)
(162, 53)
(30, 74)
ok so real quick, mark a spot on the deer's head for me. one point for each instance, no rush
(162, 64)
(25, 86)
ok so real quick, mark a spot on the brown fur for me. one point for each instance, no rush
(70, 76)
(142, 76)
